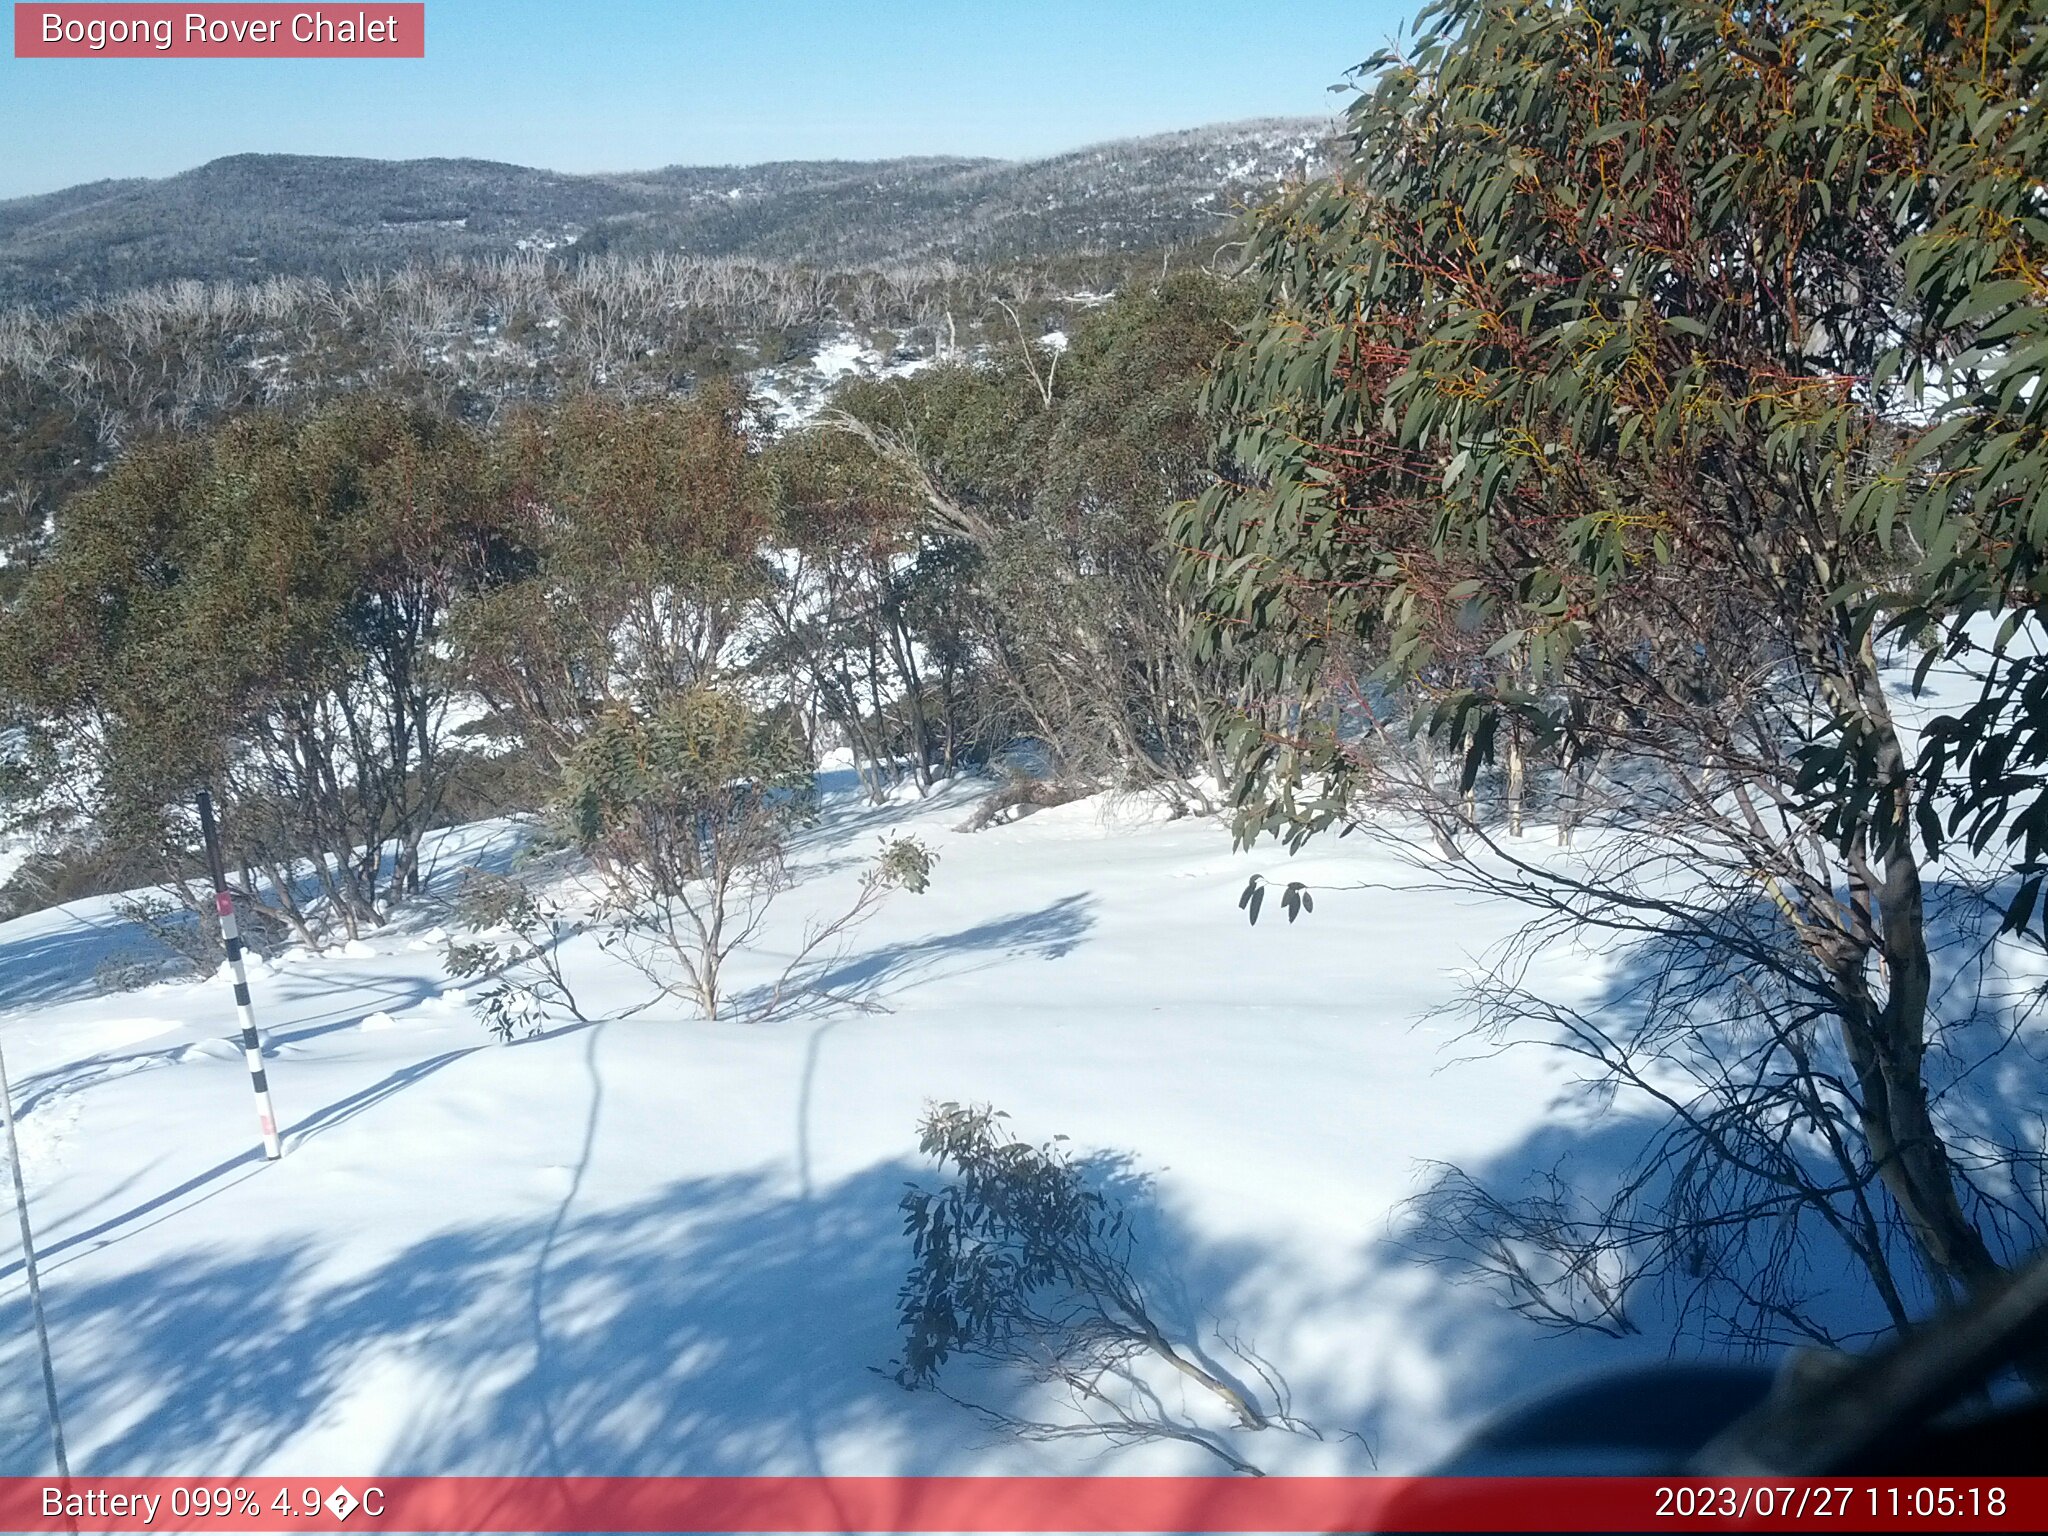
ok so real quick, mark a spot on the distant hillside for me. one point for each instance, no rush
(1132, 194)
(254, 215)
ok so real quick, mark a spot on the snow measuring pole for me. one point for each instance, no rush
(231, 938)
(28, 1264)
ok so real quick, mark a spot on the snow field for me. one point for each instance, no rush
(664, 1245)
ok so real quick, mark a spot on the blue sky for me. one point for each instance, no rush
(583, 85)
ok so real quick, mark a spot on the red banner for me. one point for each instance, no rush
(238, 31)
(991, 1504)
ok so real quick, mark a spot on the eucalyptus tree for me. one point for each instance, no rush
(637, 527)
(1028, 490)
(261, 608)
(1587, 411)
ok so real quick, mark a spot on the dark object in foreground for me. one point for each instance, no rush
(1937, 1402)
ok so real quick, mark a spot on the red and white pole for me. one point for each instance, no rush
(231, 937)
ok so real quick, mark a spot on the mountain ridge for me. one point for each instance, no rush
(255, 214)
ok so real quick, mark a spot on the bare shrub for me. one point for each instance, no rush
(517, 952)
(1023, 1261)
(1553, 1255)
(131, 969)
(900, 864)
(189, 949)
(686, 812)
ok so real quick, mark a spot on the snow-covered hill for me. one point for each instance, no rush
(282, 215)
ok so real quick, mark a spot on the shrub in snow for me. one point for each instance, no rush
(682, 813)
(901, 864)
(190, 948)
(1021, 794)
(516, 949)
(188, 945)
(1021, 1260)
(685, 810)
(512, 1012)
(904, 864)
(128, 970)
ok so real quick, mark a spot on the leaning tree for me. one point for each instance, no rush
(1600, 416)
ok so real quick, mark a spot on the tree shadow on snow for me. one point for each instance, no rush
(200, 1187)
(1988, 1068)
(389, 994)
(733, 1324)
(721, 1326)
(54, 956)
(838, 979)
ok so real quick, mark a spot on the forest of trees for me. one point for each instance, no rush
(365, 619)
(466, 339)
(1649, 392)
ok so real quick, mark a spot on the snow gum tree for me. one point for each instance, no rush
(686, 809)
(638, 525)
(868, 617)
(1020, 502)
(1597, 409)
(260, 608)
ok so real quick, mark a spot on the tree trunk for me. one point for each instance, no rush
(1516, 774)
(1887, 1045)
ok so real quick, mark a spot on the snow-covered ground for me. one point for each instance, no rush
(664, 1246)
(795, 393)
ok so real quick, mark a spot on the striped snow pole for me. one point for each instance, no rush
(231, 937)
